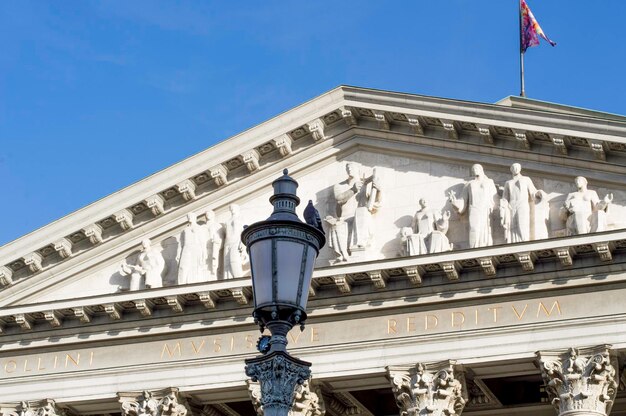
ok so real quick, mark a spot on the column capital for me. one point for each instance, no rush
(580, 381)
(429, 388)
(45, 407)
(165, 402)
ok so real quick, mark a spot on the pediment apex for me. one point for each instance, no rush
(339, 115)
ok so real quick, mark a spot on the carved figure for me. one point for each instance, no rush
(190, 254)
(234, 249)
(135, 273)
(583, 211)
(338, 237)
(357, 199)
(150, 265)
(478, 197)
(427, 233)
(413, 244)
(542, 216)
(432, 225)
(212, 236)
(515, 215)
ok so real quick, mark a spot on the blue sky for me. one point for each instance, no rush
(97, 95)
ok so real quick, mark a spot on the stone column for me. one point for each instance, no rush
(46, 407)
(434, 389)
(165, 402)
(308, 399)
(580, 381)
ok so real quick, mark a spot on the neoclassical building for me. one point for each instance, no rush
(476, 263)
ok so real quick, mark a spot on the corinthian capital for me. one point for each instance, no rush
(429, 389)
(166, 402)
(44, 407)
(580, 381)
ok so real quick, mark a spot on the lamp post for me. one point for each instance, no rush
(282, 251)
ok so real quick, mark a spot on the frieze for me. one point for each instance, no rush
(388, 327)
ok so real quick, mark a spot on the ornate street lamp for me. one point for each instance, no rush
(282, 252)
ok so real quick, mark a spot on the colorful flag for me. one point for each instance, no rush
(530, 29)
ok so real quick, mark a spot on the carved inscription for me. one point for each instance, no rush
(45, 363)
(339, 332)
(476, 317)
(229, 343)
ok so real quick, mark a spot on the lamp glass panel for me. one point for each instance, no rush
(261, 263)
(308, 273)
(289, 256)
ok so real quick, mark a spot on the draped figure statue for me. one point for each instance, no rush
(517, 205)
(478, 197)
(234, 249)
(583, 211)
(427, 233)
(212, 237)
(190, 254)
(150, 265)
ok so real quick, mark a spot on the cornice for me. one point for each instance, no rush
(565, 252)
(600, 142)
(579, 124)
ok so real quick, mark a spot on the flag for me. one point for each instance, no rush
(530, 29)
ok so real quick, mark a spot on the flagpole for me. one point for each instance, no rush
(521, 51)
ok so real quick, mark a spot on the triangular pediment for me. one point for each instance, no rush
(413, 147)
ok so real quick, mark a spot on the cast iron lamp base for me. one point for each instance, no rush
(278, 373)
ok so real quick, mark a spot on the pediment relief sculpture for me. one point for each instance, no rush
(171, 191)
(427, 233)
(583, 211)
(191, 254)
(502, 211)
(150, 266)
(357, 198)
(212, 235)
(493, 207)
(234, 249)
(205, 252)
(521, 200)
(478, 199)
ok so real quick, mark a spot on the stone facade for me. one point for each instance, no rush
(464, 238)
